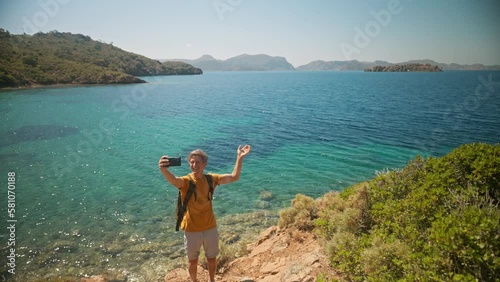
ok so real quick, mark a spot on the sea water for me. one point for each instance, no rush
(89, 197)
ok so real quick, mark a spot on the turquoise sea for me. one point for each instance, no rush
(89, 197)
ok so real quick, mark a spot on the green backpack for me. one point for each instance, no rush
(182, 207)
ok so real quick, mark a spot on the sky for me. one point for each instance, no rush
(447, 31)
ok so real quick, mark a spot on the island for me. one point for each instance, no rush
(355, 65)
(62, 58)
(415, 67)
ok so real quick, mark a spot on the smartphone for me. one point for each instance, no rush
(174, 161)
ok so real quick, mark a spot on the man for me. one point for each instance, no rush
(199, 225)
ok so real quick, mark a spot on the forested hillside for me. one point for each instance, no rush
(65, 58)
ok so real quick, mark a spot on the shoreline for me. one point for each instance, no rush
(129, 255)
(62, 85)
(42, 86)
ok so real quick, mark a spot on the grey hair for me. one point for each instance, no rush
(200, 153)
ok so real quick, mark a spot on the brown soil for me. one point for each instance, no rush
(278, 255)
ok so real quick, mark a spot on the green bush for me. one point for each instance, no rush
(468, 239)
(344, 251)
(300, 215)
(434, 220)
(344, 212)
(7, 80)
(384, 260)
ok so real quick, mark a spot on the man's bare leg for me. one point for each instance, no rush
(193, 269)
(212, 266)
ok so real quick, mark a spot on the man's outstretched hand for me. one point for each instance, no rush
(243, 151)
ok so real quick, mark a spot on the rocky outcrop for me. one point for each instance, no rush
(278, 255)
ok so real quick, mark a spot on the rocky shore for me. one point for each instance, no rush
(128, 253)
(277, 255)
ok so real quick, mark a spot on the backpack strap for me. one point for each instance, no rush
(210, 187)
(182, 207)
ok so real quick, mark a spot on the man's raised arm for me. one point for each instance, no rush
(235, 175)
(164, 164)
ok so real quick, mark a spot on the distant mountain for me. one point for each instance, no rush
(65, 58)
(355, 65)
(455, 66)
(243, 62)
(205, 62)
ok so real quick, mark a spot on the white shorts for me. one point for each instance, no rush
(194, 240)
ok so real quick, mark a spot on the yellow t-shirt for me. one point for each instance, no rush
(200, 214)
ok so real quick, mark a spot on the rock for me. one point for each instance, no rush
(268, 233)
(64, 246)
(272, 267)
(262, 205)
(310, 259)
(94, 278)
(114, 248)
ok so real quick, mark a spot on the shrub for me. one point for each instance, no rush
(383, 259)
(346, 211)
(344, 251)
(7, 80)
(30, 61)
(469, 239)
(300, 215)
